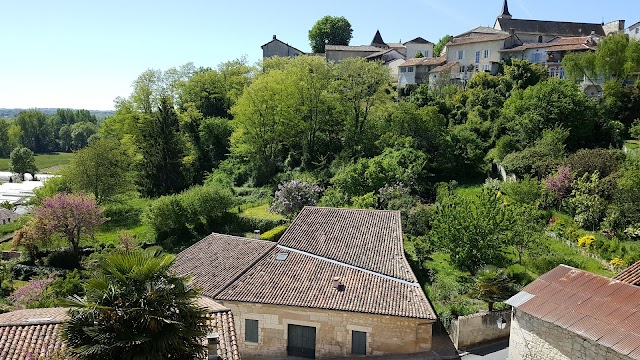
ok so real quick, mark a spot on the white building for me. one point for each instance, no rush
(634, 31)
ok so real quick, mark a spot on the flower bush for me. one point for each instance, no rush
(293, 195)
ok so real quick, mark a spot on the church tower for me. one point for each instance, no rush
(505, 11)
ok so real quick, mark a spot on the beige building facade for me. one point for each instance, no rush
(333, 330)
(276, 47)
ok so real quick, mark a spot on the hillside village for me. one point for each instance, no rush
(385, 200)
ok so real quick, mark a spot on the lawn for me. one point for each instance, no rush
(46, 163)
(262, 212)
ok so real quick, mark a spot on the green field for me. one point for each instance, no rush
(46, 163)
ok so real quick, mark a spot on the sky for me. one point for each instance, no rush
(83, 54)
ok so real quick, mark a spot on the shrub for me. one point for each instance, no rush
(617, 263)
(586, 241)
(366, 201)
(62, 259)
(274, 234)
(30, 293)
(293, 195)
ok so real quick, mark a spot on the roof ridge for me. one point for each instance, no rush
(350, 209)
(340, 263)
(251, 265)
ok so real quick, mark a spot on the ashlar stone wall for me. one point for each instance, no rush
(476, 329)
(535, 339)
(385, 334)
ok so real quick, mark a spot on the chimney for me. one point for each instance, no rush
(256, 234)
(337, 283)
(213, 340)
(274, 37)
(512, 31)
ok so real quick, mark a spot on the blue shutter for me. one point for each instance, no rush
(358, 343)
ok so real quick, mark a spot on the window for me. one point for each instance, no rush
(358, 342)
(536, 58)
(540, 39)
(486, 68)
(460, 55)
(251, 330)
(410, 69)
(486, 54)
(462, 69)
(426, 53)
(477, 57)
(477, 67)
(403, 69)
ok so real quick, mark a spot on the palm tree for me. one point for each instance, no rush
(493, 284)
(135, 308)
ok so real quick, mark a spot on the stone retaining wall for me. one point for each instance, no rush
(476, 329)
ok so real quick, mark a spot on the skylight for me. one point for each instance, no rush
(282, 256)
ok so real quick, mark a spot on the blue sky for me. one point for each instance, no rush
(83, 54)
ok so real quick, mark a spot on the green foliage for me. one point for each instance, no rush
(274, 234)
(544, 156)
(588, 161)
(102, 169)
(635, 129)
(522, 73)
(158, 315)
(551, 104)
(418, 55)
(526, 191)
(437, 49)
(22, 161)
(586, 201)
(190, 215)
(330, 30)
(161, 170)
(5, 148)
(492, 285)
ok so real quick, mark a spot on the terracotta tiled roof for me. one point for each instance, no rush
(630, 275)
(218, 259)
(221, 321)
(477, 39)
(305, 280)
(32, 333)
(367, 239)
(559, 44)
(425, 61)
(559, 28)
(351, 48)
(594, 307)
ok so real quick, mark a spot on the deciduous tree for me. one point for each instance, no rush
(330, 30)
(22, 161)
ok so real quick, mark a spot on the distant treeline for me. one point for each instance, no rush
(12, 113)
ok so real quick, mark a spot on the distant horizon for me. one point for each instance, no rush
(70, 53)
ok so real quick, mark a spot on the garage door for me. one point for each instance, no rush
(302, 341)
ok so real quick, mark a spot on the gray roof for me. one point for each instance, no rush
(558, 28)
(418, 40)
(366, 48)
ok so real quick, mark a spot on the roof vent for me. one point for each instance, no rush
(337, 283)
(256, 234)
(282, 256)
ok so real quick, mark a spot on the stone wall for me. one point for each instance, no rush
(278, 48)
(476, 329)
(535, 339)
(385, 334)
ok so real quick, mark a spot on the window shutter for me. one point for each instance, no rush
(358, 342)
(251, 330)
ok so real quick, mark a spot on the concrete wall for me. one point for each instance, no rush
(534, 339)
(413, 48)
(278, 48)
(476, 329)
(385, 334)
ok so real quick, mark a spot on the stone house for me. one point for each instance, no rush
(336, 284)
(475, 52)
(35, 333)
(7, 216)
(276, 47)
(634, 31)
(445, 74)
(417, 70)
(569, 313)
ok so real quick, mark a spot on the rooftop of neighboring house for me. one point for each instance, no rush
(594, 307)
(418, 40)
(280, 41)
(574, 43)
(470, 39)
(333, 259)
(367, 48)
(31, 332)
(7, 214)
(559, 28)
(425, 61)
(446, 67)
(634, 25)
(630, 275)
(481, 31)
(221, 320)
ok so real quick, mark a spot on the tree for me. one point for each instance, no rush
(36, 132)
(135, 307)
(418, 55)
(492, 284)
(4, 138)
(587, 202)
(22, 161)
(471, 229)
(330, 30)
(73, 216)
(102, 169)
(293, 195)
(439, 47)
(523, 74)
(161, 166)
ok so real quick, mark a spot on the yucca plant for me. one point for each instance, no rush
(135, 308)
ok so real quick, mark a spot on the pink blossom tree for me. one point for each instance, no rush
(560, 183)
(70, 215)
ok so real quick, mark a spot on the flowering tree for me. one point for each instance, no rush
(70, 215)
(293, 195)
(560, 183)
(31, 292)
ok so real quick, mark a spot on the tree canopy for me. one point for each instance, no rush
(330, 30)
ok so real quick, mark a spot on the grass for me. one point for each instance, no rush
(469, 190)
(261, 212)
(45, 163)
